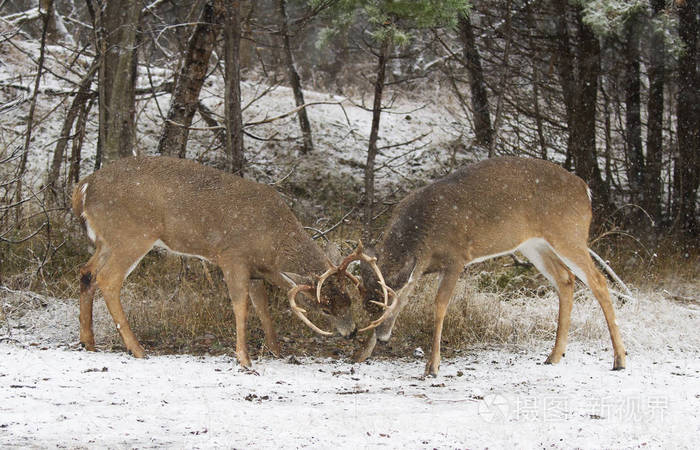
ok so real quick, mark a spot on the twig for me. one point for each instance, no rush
(612, 273)
(288, 113)
(318, 234)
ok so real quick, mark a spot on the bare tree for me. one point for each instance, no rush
(46, 16)
(77, 105)
(480, 102)
(633, 114)
(190, 78)
(294, 79)
(372, 149)
(578, 66)
(116, 25)
(688, 163)
(655, 113)
(232, 77)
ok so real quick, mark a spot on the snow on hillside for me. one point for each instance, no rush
(340, 127)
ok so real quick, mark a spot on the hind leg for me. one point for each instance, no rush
(87, 295)
(110, 279)
(259, 298)
(580, 262)
(549, 264)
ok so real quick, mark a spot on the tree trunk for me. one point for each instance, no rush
(480, 102)
(76, 148)
(688, 118)
(633, 116)
(232, 96)
(294, 79)
(185, 98)
(655, 109)
(372, 149)
(119, 22)
(77, 105)
(578, 70)
(46, 17)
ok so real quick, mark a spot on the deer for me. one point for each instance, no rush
(481, 211)
(137, 203)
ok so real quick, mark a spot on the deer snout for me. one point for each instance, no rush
(345, 325)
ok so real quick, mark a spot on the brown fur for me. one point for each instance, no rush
(481, 211)
(240, 225)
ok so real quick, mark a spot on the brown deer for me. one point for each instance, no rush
(481, 211)
(244, 227)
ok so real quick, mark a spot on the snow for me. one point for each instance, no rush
(54, 394)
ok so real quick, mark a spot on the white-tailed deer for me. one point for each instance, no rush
(481, 211)
(244, 227)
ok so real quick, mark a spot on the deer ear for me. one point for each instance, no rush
(295, 278)
(333, 253)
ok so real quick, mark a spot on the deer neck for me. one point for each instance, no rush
(301, 255)
(397, 259)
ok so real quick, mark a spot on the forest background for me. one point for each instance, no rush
(345, 106)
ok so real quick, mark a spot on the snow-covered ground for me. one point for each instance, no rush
(52, 394)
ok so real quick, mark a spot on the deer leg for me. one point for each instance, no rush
(383, 332)
(87, 296)
(88, 285)
(580, 262)
(596, 281)
(259, 298)
(110, 279)
(549, 264)
(442, 300)
(238, 282)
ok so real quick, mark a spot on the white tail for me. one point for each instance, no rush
(482, 211)
(244, 227)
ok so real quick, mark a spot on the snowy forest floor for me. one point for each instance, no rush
(495, 396)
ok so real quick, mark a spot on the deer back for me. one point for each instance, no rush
(483, 210)
(197, 210)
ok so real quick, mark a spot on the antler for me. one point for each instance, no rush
(359, 255)
(300, 312)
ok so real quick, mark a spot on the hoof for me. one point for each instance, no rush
(90, 347)
(619, 363)
(365, 352)
(244, 361)
(274, 349)
(553, 359)
(431, 371)
(137, 353)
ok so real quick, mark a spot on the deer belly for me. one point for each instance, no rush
(179, 250)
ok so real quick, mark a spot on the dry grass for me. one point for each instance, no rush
(182, 306)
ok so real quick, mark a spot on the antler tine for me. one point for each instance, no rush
(354, 256)
(321, 279)
(388, 310)
(300, 312)
(341, 268)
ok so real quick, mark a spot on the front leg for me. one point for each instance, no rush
(364, 353)
(442, 300)
(383, 332)
(258, 295)
(238, 280)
